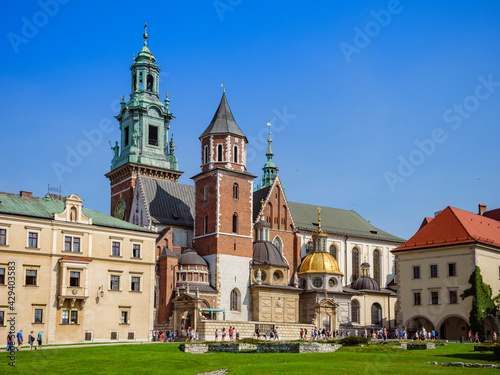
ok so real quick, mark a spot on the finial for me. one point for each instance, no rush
(262, 204)
(133, 57)
(223, 85)
(269, 124)
(319, 219)
(167, 94)
(123, 98)
(145, 35)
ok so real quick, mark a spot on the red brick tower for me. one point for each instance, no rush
(223, 217)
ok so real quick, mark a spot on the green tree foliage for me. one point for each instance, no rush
(482, 302)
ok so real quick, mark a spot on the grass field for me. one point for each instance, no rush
(167, 359)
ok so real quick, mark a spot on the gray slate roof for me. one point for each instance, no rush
(46, 208)
(337, 221)
(169, 203)
(259, 195)
(223, 121)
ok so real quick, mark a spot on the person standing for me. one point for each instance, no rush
(19, 339)
(223, 333)
(39, 340)
(231, 333)
(216, 334)
(9, 342)
(494, 335)
(31, 339)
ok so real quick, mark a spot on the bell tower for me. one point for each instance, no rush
(223, 232)
(144, 148)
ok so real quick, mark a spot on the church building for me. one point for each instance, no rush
(232, 252)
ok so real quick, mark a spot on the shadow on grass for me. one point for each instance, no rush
(476, 356)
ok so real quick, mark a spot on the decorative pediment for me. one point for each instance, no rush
(73, 211)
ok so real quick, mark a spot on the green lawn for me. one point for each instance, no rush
(166, 358)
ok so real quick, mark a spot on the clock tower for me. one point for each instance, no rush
(144, 148)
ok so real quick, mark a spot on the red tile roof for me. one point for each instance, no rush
(493, 214)
(426, 221)
(454, 226)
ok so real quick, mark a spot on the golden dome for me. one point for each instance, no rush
(319, 263)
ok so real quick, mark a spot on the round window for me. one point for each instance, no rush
(332, 282)
(277, 276)
(317, 282)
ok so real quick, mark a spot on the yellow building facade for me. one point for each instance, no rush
(76, 274)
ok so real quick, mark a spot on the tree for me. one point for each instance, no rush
(482, 302)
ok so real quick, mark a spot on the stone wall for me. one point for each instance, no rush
(295, 347)
(194, 349)
(286, 331)
(418, 346)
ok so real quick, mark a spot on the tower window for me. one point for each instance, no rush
(235, 154)
(126, 136)
(234, 300)
(235, 223)
(219, 153)
(205, 154)
(205, 224)
(235, 191)
(140, 81)
(150, 83)
(153, 135)
(205, 192)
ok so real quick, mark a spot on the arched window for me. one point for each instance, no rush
(376, 266)
(354, 311)
(376, 314)
(205, 193)
(234, 300)
(150, 83)
(205, 154)
(284, 217)
(333, 251)
(235, 154)
(219, 153)
(278, 244)
(235, 223)
(73, 214)
(270, 219)
(355, 264)
(205, 224)
(235, 191)
(261, 234)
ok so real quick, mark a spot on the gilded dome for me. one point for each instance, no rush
(319, 263)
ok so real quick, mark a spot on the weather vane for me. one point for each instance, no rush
(223, 85)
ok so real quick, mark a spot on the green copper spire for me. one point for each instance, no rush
(145, 119)
(270, 169)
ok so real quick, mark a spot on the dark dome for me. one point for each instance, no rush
(264, 252)
(365, 283)
(262, 223)
(365, 264)
(191, 258)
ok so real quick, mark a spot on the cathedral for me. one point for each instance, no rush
(233, 252)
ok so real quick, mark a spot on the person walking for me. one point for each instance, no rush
(39, 340)
(19, 339)
(31, 339)
(223, 333)
(9, 342)
(216, 334)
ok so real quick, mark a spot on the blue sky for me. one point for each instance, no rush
(387, 107)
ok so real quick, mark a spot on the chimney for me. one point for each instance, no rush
(482, 209)
(26, 194)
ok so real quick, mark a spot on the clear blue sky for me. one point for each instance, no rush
(361, 82)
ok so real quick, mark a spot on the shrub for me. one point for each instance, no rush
(354, 341)
(496, 351)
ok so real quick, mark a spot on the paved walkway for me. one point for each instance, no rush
(27, 348)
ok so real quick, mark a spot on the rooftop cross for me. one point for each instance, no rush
(145, 35)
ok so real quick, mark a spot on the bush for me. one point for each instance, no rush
(354, 341)
(496, 351)
(248, 340)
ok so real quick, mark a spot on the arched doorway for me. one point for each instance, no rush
(490, 326)
(418, 323)
(453, 327)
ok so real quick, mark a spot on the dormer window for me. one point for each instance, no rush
(236, 154)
